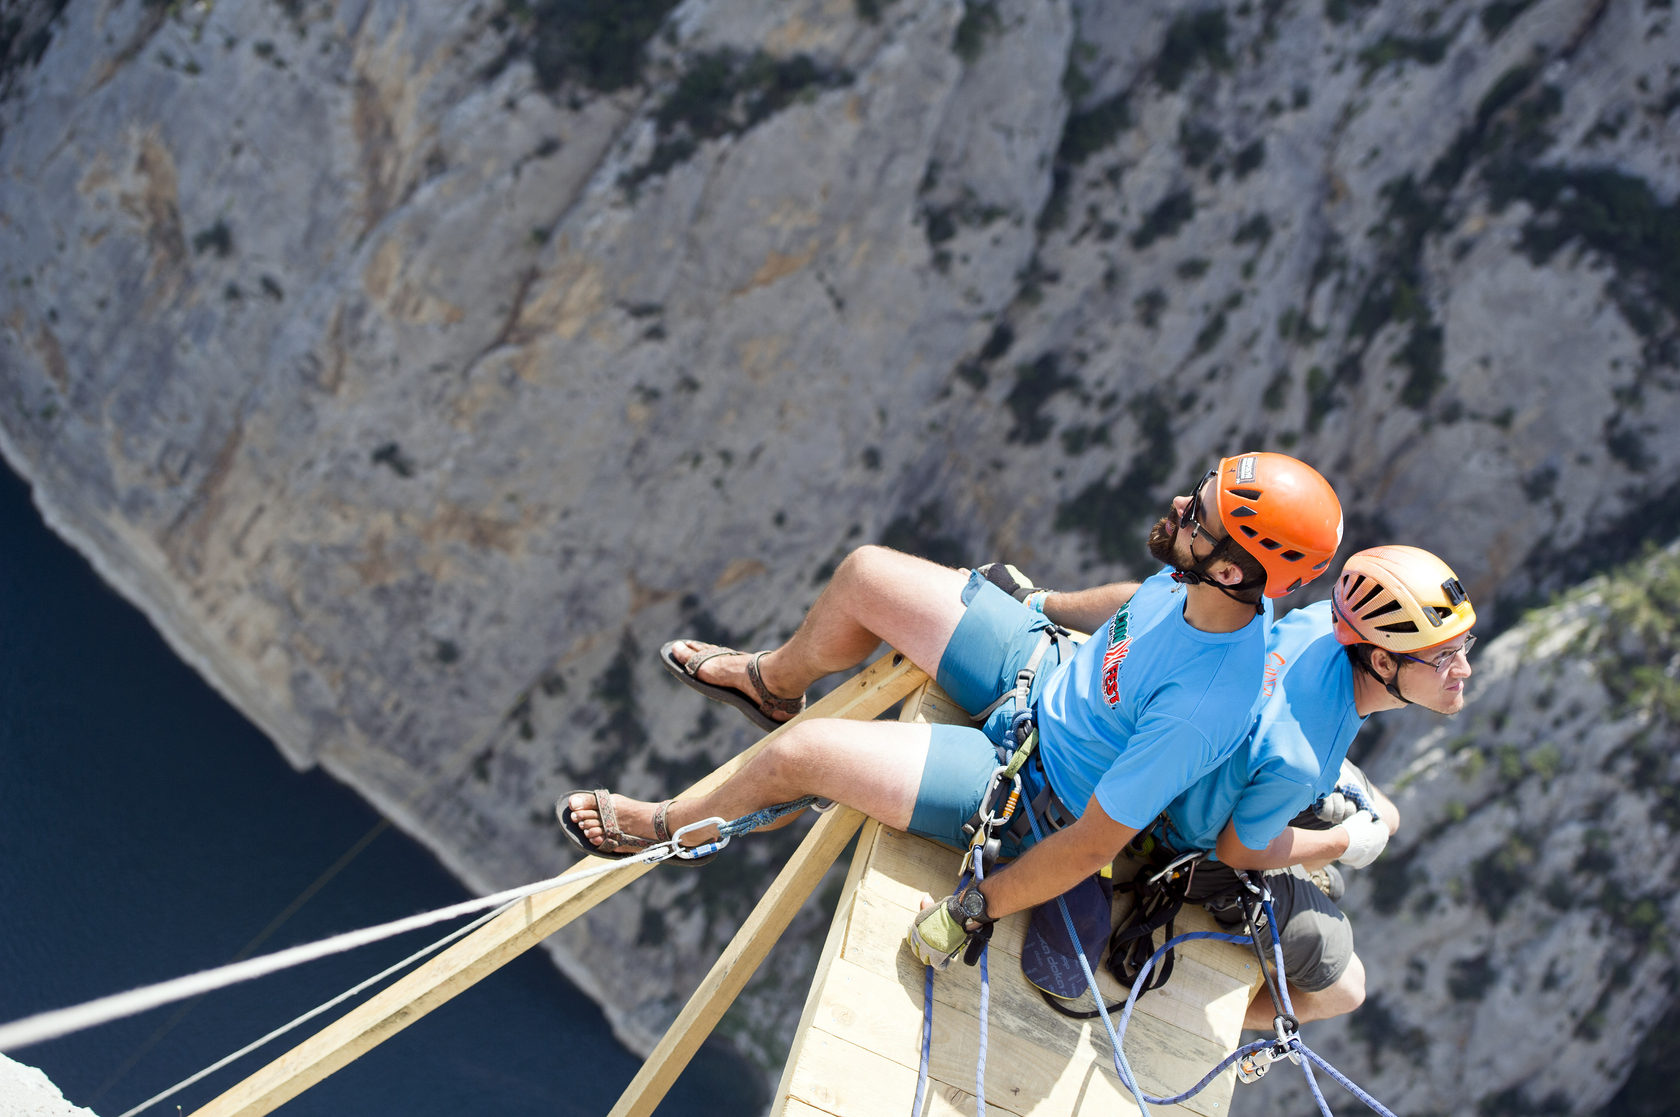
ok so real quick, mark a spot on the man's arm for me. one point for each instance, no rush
(1299, 845)
(1057, 863)
(1295, 846)
(1089, 609)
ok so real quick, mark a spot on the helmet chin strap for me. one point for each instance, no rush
(1197, 575)
(1390, 685)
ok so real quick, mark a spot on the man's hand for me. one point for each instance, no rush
(1335, 808)
(1366, 838)
(940, 932)
(1006, 578)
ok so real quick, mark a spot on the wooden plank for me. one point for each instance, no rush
(873, 1012)
(871, 692)
(840, 1078)
(729, 975)
(925, 701)
(1197, 999)
(1166, 1058)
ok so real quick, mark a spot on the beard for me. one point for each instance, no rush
(1163, 542)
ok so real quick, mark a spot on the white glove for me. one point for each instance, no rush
(1335, 807)
(1366, 838)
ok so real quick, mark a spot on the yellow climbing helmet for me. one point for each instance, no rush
(1283, 512)
(1400, 599)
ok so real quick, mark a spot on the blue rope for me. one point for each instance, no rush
(985, 997)
(750, 822)
(927, 1042)
(980, 1063)
(1136, 991)
(1121, 1066)
(1343, 1079)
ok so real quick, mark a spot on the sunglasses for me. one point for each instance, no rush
(1443, 662)
(1195, 511)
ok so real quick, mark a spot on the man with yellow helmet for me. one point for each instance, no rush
(1395, 632)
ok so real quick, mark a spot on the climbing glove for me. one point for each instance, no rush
(1006, 578)
(940, 932)
(1366, 837)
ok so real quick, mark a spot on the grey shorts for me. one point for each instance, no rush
(1317, 938)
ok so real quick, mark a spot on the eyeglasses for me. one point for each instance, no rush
(1443, 662)
(1195, 511)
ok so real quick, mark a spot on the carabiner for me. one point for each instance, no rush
(704, 849)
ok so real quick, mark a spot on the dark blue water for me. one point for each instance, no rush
(148, 831)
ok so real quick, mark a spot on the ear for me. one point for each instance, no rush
(1227, 573)
(1384, 664)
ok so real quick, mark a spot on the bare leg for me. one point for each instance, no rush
(876, 594)
(874, 766)
(1347, 994)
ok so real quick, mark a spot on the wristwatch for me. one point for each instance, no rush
(971, 904)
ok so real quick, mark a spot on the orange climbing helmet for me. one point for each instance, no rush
(1400, 599)
(1283, 512)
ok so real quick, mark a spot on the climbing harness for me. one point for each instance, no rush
(1023, 734)
(1252, 1059)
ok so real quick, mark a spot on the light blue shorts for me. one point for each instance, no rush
(994, 640)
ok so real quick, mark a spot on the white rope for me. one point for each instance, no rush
(63, 1021)
(314, 1012)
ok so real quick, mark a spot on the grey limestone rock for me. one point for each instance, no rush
(418, 379)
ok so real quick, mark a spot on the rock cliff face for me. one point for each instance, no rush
(418, 368)
(26, 1092)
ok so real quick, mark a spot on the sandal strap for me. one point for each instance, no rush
(661, 828)
(610, 833)
(694, 662)
(771, 703)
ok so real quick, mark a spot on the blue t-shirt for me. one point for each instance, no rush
(1147, 706)
(1304, 721)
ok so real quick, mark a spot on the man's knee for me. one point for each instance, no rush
(873, 565)
(792, 751)
(865, 561)
(1340, 997)
(1349, 986)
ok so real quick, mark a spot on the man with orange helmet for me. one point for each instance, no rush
(1396, 631)
(1156, 700)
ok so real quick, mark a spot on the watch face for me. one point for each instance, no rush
(972, 903)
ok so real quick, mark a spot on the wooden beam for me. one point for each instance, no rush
(865, 696)
(741, 958)
(798, 878)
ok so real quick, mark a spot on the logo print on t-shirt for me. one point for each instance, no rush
(1275, 664)
(1118, 645)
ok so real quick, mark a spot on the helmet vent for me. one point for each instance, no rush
(1398, 626)
(1246, 494)
(1366, 600)
(1292, 556)
(1243, 510)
